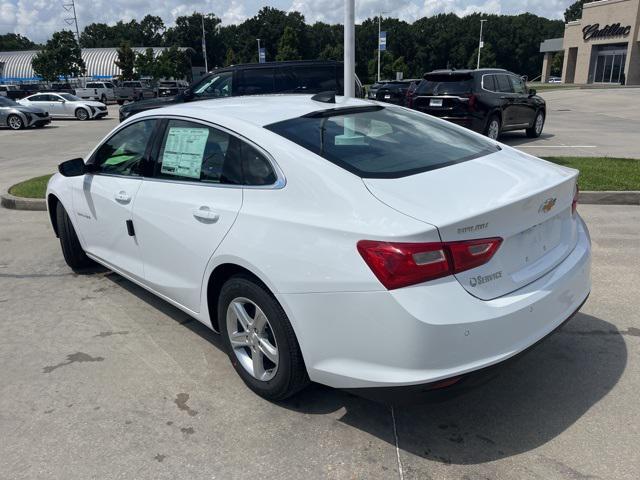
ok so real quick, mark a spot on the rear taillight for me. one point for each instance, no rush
(471, 105)
(399, 265)
(574, 204)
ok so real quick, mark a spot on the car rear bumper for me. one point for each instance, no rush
(430, 332)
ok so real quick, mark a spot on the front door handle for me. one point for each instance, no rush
(122, 197)
(205, 214)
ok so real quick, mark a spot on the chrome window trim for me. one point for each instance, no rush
(482, 83)
(280, 182)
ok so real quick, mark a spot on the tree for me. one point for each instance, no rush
(230, 57)
(126, 62)
(172, 63)
(145, 64)
(288, 45)
(15, 41)
(60, 57)
(487, 57)
(574, 11)
(556, 64)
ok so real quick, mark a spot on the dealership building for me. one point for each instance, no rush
(602, 47)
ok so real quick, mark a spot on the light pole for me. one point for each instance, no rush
(379, 21)
(480, 43)
(204, 47)
(258, 49)
(349, 49)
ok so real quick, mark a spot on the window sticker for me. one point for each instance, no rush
(184, 151)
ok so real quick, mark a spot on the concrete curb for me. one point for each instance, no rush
(593, 198)
(610, 198)
(19, 203)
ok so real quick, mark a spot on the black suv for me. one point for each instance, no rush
(489, 101)
(302, 76)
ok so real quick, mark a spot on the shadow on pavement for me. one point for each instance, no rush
(517, 137)
(531, 401)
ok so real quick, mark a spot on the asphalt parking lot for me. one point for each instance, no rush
(103, 380)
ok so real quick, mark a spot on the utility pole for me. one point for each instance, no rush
(204, 47)
(379, 22)
(480, 42)
(259, 51)
(71, 8)
(349, 49)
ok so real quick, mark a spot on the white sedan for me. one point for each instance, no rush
(66, 105)
(355, 244)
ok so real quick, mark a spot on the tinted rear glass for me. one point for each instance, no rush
(379, 142)
(307, 79)
(445, 85)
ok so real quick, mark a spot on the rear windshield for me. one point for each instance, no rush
(381, 142)
(445, 85)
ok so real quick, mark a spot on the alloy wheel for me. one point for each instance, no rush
(539, 123)
(15, 122)
(82, 114)
(494, 129)
(252, 339)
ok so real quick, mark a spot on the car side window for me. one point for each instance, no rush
(256, 169)
(198, 153)
(255, 81)
(504, 85)
(39, 98)
(123, 153)
(488, 83)
(517, 84)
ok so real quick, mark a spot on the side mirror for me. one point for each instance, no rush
(532, 91)
(73, 168)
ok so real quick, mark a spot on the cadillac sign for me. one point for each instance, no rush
(594, 32)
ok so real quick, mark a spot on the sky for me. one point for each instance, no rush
(38, 19)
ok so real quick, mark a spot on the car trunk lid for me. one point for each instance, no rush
(445, 94)
(524, 200)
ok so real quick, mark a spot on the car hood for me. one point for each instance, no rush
(150, 103)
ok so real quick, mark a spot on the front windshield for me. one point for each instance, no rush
(215, 86)
(70, 98)
(7, 102)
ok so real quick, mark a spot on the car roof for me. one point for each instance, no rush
(277, 64)
(257, 110)
(468, 71)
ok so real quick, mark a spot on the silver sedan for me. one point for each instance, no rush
(16, 116)
(66, 105)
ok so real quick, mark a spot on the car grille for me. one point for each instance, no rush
(102, 108)
(42, 115)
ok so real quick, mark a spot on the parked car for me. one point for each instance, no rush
(356, 244)
(60, 88)
(134, 90)
(66, 105)
(554, 80)
(253, 79)
(12, 92)
(102, 91)
(395, 91)
(16, 116)
(489, 101)
(373, 89)
(171, 88)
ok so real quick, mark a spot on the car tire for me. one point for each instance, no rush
(538, 124)
(82, 114)
(71, 249)
(120, 102)
(103, 99)
(15, 122)
(493, 127)
(270, 337)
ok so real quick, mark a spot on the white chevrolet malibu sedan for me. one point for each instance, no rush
(359, 245)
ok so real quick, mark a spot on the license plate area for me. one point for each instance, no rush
(435, 102)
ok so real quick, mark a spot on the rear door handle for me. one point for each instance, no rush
(122, 197)
(205, 214)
